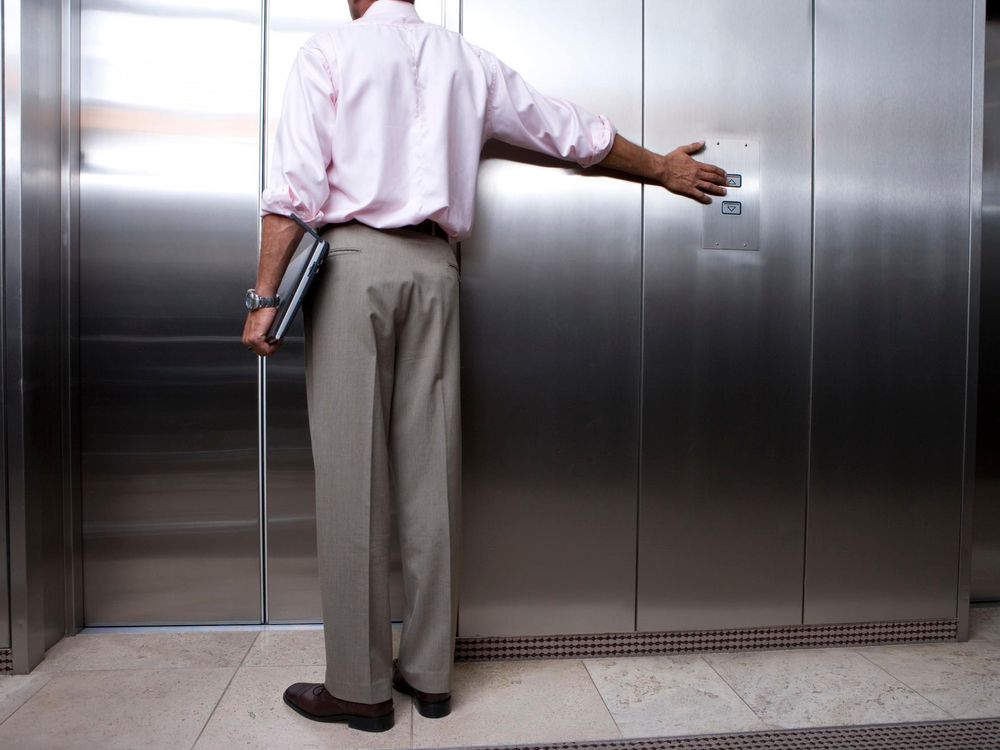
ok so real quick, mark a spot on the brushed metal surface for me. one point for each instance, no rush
(985, 585)
(972, 330)
(33, 374)
(726, 332)
(170, 97)
(70, 316)
(550, 342)
(892, 253)
(292, 582)
(5, 609)
(451, 14)
(737, 225)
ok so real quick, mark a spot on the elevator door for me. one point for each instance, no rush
(726, 331)
(550, 342)
(169, 117)
(170, 178)
(891, 308)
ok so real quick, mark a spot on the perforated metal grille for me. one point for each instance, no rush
(686, 641)
(956, 734)
(6, 661)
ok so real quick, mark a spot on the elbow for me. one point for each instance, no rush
(286, 201)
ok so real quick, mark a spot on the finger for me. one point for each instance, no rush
(712, 169)
(699, 196)
(269, 348)
(693, 148)
(709, 187)
(255, 344)
(718, 179)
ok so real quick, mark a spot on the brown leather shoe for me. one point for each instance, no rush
(430, 705)
(314, 701)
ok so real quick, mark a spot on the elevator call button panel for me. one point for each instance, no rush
(732, 222)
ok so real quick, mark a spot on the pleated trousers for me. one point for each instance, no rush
(382, 386)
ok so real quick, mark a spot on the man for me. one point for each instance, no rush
(379, 142)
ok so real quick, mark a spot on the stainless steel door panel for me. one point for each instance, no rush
(169, 122)
(36, 464)
(726, 332)
(293, 585)
(550, 337)
(891, 293)
(986, 513)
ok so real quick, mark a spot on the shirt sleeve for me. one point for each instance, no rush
(520, 115)
(297, 180)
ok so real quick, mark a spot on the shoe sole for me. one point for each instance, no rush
(364, 723)
(436, 710)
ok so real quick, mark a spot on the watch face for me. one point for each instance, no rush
(251, 300)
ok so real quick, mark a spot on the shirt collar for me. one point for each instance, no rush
(391, 10)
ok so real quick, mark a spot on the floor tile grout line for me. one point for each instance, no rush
(607, 708)
(25, 701)
(897, 679)
(739, 695)
(103, 630)
(147, 668)
(224, 691)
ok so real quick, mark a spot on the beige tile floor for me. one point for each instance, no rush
(221, 688)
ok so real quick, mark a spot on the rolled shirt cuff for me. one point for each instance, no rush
(283, 200)
(603, 137)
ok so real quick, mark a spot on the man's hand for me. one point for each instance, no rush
(255, 329)
(280, 236)
(676, 171)
(685, 176)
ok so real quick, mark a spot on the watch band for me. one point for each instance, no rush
(254, 301)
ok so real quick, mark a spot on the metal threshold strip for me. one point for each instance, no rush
(957, 734)
(599, 645)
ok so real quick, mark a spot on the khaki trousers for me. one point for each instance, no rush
(382, 386)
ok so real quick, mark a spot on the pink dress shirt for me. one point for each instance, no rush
(384, 118)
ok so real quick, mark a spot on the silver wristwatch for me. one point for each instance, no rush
(254, 301)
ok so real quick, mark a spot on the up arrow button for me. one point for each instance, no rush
(734, 180)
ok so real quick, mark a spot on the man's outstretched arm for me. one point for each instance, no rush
(676, 171)
(521, 115)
